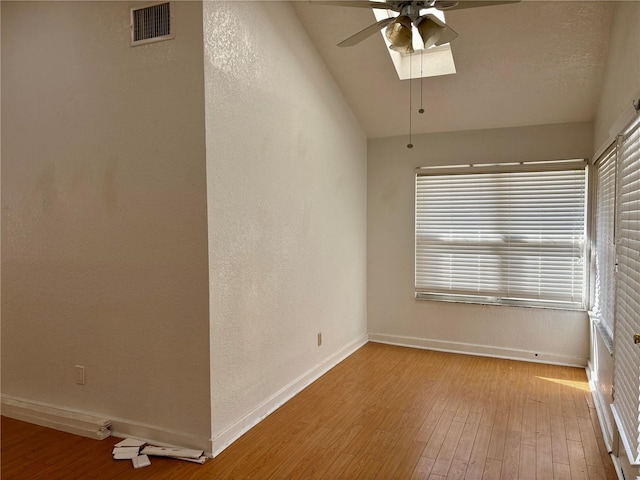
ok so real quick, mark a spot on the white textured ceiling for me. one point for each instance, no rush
(530, 63)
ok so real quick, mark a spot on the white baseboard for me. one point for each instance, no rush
(159, 436)
(479, 350)
(68, 421)
(225, 438)
(96, 426)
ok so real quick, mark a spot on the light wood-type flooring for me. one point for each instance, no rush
(384, 413)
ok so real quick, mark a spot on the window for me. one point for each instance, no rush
(626, 406)
(603, 253)
(505, 234)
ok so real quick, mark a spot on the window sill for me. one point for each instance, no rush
(421, 296)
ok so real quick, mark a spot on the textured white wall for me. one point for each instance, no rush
(286, 168)
(622, 73)
(394, 314)
(104, 234)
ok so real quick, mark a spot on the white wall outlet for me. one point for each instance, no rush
(80, 380)
(319, 338)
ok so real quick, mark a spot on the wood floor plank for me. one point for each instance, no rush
(492, 469)
(385, 412)
(597, 473)
(395, 454)
(572, 430)
(338, 466)
(475, 469)
(561, 471)
(447, 449)
(468, 437)
(527, 465)
(529, 422)
(356, 467)
(498, 435)
(589, 442)
(429, 425)
(409, 461)
(544, 457)
(543, 419)
(439, 434)
(423, 469)
(577, 463)
(559, 450)
(457, 470)
(370, 470)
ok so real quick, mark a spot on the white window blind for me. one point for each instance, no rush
(627, 298)
(513, 236)
(603, 239)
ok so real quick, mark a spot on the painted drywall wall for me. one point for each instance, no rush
(104, 226)
(286, 171)
(394, 315)
(621, 83)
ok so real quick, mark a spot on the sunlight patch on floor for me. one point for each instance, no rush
(580, 385)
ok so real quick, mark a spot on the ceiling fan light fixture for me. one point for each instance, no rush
(399, 34)
(435, 32)
(430, 32)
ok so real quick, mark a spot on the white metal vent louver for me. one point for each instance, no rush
(151, 23)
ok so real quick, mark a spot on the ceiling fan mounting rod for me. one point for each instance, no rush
(411, 10)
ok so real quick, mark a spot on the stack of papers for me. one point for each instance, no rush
(129, 449)
(196, 456)
(138, 452)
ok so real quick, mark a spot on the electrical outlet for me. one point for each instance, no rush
(319, 338)
(80, 380)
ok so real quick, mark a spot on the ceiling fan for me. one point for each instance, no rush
(432, 30)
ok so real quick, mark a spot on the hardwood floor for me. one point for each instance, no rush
(384, 413)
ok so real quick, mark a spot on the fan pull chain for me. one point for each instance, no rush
(421, 81)
(410, 145)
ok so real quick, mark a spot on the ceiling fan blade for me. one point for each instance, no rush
(358, 4)
(453, 5)
(434, 31)
(448, 35)
(366, 33)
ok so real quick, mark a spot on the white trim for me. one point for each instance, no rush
(625, 441)
(600, 404)
(621, 122)
(70, 421)
(605, 425)
(92, 425)
(231, 433)
(123, 428)
(479, 350)
(625, 118)
(610, 143)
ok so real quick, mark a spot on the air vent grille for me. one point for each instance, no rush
(151, 23)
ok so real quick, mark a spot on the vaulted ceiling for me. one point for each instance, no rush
(529, 63)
